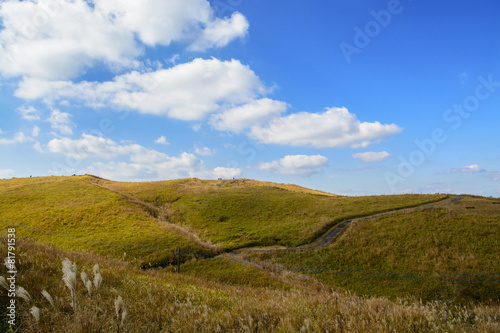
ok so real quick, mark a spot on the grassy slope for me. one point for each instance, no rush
(450, 240)
(73, 215)
(158, 301)
(243, 213)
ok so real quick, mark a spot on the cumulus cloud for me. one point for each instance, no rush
(7, 173)
(335, 127)
(35, 132)
(248, 115)
(220, 32)
(187, 91)
(58, 40)
(226, 173)
(296, 165)
(19, 137)
(89, 146)
(141, 163)
(61, 121)
(38, 147)
(162, 140)
(205, 151)
(29, 113)
(372, 156)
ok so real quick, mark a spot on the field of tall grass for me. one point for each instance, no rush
(56, 298)
(433, 244)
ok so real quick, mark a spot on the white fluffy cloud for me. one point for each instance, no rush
(204, 151)
(226, 173)
(61, 121)
(7, 173)
(60, 39)
(29, 113)
(220, 32)
(248, 115)
(142, 164)
(162, 140)
(89, 146)
(187, 91)
(296, 165)
(371, 156)
(35, 132)
(19, 137)
(335, 127)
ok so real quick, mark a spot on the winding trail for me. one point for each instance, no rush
(327, 238)
(324, 240)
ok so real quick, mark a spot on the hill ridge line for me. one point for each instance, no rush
(160, 217)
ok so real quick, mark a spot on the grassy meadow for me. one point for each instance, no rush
(241, 213)
(450, 241)
(128, 229)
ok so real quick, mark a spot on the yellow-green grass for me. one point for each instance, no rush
(442, 241)
(71, 214)
(244, 213)
(228, 271)
(159, 301)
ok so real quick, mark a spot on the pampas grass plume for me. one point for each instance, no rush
(21, 292)
(35, 312)
(48, 297)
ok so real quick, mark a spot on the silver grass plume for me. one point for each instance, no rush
(69, 274)
(4, 283)
(48, 297)
(21, 292)
(97, 280)
(35, 312)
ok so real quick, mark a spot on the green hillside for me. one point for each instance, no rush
(243, 213)
(440, 247)
(71, 214)
(89, 213)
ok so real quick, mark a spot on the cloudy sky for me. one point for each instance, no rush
(351, 97)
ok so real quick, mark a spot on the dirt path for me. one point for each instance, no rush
(327, 238)
(159, 215)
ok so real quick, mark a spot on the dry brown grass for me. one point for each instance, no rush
(159, 301)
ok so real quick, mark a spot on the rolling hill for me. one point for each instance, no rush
(411, 271)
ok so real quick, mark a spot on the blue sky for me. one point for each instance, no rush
(350, 97)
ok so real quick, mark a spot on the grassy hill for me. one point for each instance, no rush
(73, 215)
(122, 226)
(441, 247)
(89, 213)
(243, 213)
